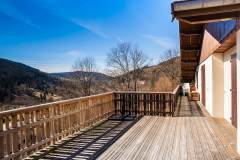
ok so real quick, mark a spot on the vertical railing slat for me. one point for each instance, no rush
(1, 139)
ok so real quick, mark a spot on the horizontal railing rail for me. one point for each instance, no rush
(26, 130)
(145, 103)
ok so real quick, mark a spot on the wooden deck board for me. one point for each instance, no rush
(191, 135)
(173, 138)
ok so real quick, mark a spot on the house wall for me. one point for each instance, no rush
(218, 85)
(208, 83)
(214, 73)
(238, 89)
(227, 84)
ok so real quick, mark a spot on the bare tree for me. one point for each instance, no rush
(170, 66)
(119, 62)
(84, 67)
(138, 60)
(126, 63)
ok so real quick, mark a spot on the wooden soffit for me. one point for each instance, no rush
(190, 48)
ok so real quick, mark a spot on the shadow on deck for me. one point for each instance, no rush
(86, 145)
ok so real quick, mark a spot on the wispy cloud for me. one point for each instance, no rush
(74, 53)
(119, 39)
(54, 68)
(163, 42)
(12, 11)
(90, 26)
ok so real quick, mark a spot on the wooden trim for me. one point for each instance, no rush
(234, 89)
(207, 11)
(203, 84)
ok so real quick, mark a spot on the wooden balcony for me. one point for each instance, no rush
(191, 134)
(116, 125)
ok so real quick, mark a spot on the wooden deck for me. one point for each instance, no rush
(176, 138)
(186, 108)
(191, 135)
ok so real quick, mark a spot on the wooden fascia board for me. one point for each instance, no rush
(207, 11)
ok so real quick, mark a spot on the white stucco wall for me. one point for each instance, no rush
(214, 80)
(208, 82)
(227, 84)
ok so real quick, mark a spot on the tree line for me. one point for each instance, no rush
(125, 62)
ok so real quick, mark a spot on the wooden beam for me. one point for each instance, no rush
(209, 11)
(189, 34)
(211, 18)
(188, 61)
(190, 49)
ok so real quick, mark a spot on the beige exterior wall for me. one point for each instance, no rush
(208, 83)
(214, 74)
(218, 85)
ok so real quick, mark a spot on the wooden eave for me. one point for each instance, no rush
(206, 11)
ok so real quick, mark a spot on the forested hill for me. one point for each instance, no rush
(18, 79)
(22, 85)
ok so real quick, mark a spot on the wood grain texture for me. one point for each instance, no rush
(191, 135)
(190, 138)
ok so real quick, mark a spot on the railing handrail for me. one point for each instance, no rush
(176, 89)
(142, 92)
(150, 92)
(45, 105)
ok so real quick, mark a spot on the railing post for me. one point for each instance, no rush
(144, 104)
(172, 103)
(1, 139)
(115, 102)
(157, 104)
(9, 139)
(15, 134)
(136, 104)
(27, 130)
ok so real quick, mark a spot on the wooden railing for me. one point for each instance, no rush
(145, 103)
(26, 130)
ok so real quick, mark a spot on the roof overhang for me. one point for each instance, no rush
(205, 11)
(192, 16)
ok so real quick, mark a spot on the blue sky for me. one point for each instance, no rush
(51, 34)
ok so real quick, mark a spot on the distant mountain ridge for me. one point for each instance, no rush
(11, 68)
(69, 75)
